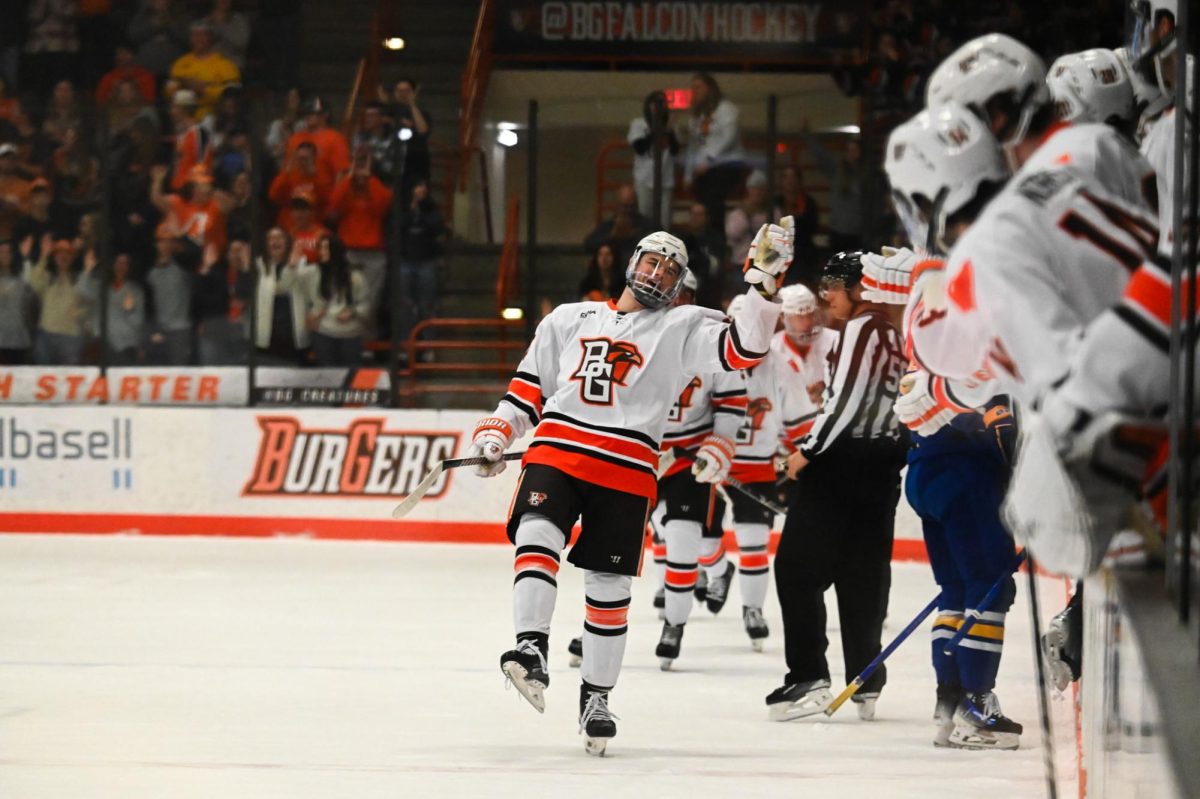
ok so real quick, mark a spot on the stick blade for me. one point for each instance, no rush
(411, 501)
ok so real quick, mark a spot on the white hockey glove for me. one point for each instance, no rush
(918, 408)
(887, 275)
(770, 255)
(713, 460)
(492, 436)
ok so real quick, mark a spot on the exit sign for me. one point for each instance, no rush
(678, 99)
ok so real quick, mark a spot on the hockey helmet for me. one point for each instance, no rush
(1148, 49)
(843, 270)
(801, 322)
(936, 163)
(647, 287)
(990, 73)
(1091, 86)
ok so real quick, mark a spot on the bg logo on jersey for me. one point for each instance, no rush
(604, 363)
(362, 460)
(685, 400)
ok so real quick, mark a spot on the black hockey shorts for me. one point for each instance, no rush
(747, 510)
(613, 523)
(716, 525)
(687, 499)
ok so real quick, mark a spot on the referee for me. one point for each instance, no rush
(840, 520)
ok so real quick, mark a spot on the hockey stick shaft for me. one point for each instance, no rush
(738, 485)
(1043, 689)
(410, 501)
(858, 681)
(984, 605)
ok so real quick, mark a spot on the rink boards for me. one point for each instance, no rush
(322, 473)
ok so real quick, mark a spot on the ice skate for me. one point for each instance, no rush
(660, 599)
(701, 589)
(596, 722)
(791, 702)
(979, 724)
(525, 668)
(948, 699)
(718, 590)
(1060, 644)
(575, 650)
(864, 703)
(756, 627)
(668, 645)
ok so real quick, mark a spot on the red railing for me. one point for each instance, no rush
(493, 352)
(507, 274)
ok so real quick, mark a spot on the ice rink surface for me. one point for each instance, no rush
(208, 667)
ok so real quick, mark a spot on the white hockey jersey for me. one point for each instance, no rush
(712, 404)
(811, 363)
(1047, 256)
(1159, 149)
(597, 384)
(779, 409)
(1101, 154)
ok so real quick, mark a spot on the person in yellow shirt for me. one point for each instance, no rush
(204, 70)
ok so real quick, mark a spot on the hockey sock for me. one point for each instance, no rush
(683, 549)
(658, 546)
(979, 651)
(753, 565)
(535, 587)
(712, 557)
(605, 626)
(945, 626)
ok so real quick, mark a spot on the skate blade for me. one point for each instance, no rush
(1005, 741)
(665, 663)
(575, 661)
(756, 644)
(942, 738)
(595, 746)
(532, 690)
(866, 712)
(809, 706)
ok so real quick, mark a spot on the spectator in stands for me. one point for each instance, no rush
(10, 103)
(16, 307)
(126, 312)
(706, 255)
(14, 190)
(422, 230)
(339, 308)
(623, 229)
(239, 208)
(302, 225)
(193, 141)
(228, 116)
(332, 151)
(231, 30)
(12, 39)
(278, 26)
(846, 175)
(63, 112)
(282, 128)
(603, 280)
(377, 136)
(412, 125)
(159, 33)
(63, 305)
(360, 203)
(52, 45)
(38, 223)
(203, 70)
(285, 284)
(302, 171)
(743, 221)
(793, 200)
(223, 287)
(654, 116)
(715, 160)
(133, 216)
(76, 174)
(126, 68)
(124, 106)
(170, 342)
(195, 212)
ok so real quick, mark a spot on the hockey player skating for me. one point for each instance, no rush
(840, 520)
(595, 387)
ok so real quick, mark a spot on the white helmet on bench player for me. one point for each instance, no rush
(937, 162)
(657, 287)
(1092, 86)
(801, 323)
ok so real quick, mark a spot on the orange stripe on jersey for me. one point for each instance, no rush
(799, 431)
(736, 359)
(631, 450)
(536, 561)
(753, 472)
(681, 579)
(687, 442)
(526, 391)
(1149, 290)
(594, 470)
(754, 560)
(609, 617)
(942, 395)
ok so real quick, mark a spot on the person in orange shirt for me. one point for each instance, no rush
(197, 212)
(126, 68)
(304, 228)
(193, 142)
(333, 153)
(302, 172)
(360, 204)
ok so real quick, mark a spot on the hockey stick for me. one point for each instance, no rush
(771, 505)
(983, 605)
(1043, 689)
(410, 502)
(853, 687)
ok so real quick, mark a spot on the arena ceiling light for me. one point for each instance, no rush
(393, 43)
(512, 314)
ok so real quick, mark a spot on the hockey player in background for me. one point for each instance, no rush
(841, 517)
(595, 388)
(804, 343)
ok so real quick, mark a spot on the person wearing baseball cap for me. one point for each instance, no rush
(303, 227)
(333, 152)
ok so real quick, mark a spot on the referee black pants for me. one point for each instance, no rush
(838, 532)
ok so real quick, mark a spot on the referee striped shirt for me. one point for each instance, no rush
(868, 363)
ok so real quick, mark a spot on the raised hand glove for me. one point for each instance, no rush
(770, 256)
(886, 276)
(917, 408)
(492, 436)
(713, 460)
